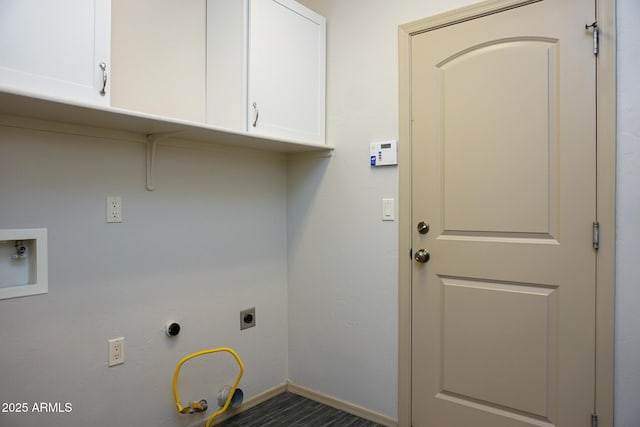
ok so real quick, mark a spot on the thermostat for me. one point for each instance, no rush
(384, 153)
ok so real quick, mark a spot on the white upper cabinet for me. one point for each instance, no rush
(286, 70)
(266, 68)
(56, 49)
(158, 57)
(177, 71)
(227, 29)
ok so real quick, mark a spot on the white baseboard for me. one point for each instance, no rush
(316, 396)
(342, 405)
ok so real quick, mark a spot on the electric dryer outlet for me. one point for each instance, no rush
(248, 318)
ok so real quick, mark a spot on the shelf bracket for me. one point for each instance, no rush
(152, 145)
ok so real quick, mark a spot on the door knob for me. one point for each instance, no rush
(423, 227)
(422, 256)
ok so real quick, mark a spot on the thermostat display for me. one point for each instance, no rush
(384, 153)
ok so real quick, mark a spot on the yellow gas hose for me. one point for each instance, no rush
(196, 405)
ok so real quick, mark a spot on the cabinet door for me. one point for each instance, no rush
(158, 58)
(286, 95)
(227, 64)
(54, 48)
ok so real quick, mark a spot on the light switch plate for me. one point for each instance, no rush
(388, 210)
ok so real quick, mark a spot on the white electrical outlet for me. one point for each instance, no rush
(114, 209)
(116, 351)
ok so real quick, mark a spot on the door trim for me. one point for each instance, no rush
(605, 209)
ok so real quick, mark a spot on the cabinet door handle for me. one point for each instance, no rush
(255, 107)
(103, 66)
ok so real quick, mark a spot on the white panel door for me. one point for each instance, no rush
(286, 95)
(503, 172)
(54, 48)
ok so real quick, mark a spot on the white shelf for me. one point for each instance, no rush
(72, 113)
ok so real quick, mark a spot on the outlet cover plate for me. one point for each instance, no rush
(116, 351)
(114, 209)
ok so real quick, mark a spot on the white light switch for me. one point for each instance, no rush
(388, 210)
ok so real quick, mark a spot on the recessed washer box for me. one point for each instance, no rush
(23, 262)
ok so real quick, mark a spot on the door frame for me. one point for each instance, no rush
(605, 193)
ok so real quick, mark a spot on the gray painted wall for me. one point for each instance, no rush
(627, 367)
(210, 241)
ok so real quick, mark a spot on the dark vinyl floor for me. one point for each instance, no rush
(291, 410)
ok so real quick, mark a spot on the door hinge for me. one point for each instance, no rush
(594, 420)
(596, 36)
(596, 235)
